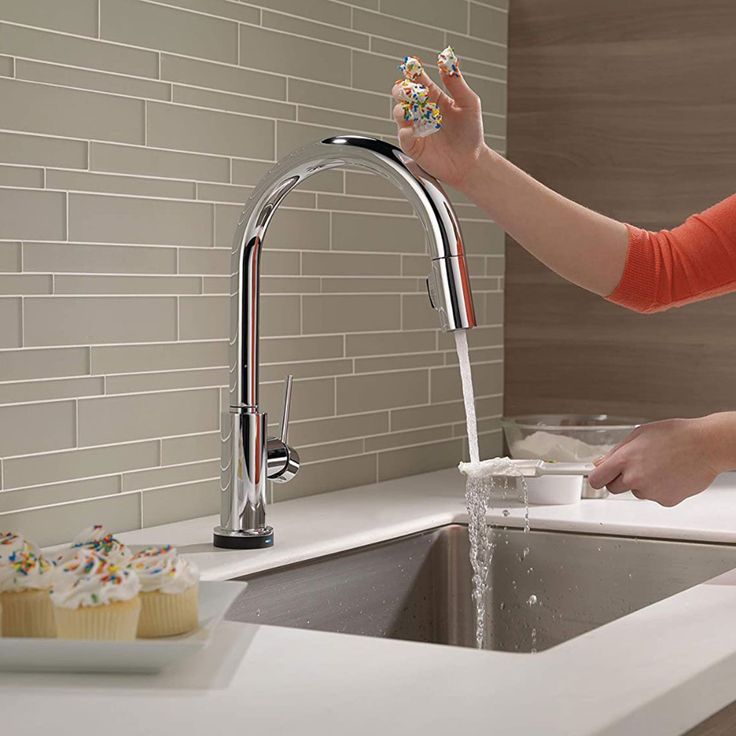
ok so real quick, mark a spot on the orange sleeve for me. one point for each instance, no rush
(693, 261)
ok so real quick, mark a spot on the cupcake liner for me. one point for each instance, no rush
(168, 614)
(112, 621)
(27, 613)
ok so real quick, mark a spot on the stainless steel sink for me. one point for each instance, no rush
(418, 587)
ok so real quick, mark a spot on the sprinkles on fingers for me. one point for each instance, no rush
(424, 115)
(448, 63)
(411, 68)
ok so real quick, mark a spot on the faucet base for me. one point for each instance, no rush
(243, 540)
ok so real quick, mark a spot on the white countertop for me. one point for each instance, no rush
(660, 670)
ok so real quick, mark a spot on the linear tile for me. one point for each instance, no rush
(374, 72)
(350, 313)
(58, 524)
(313, 397)
(86, 284)
(72, 16)
(322, 31)
(372, 284)
(329, 475)
(36, 427)
(483, 237)
(342, 121)
(204, 317)
(204, 260)
(47, 363)
(171, 356)
(20, 391)
(150, 162)
(85, 320)
(409, 438)
(81, 181)
(377, 234)
(324, 264)
(223, 8)
(59, 466)
(137, 382)
(40, 108)
(234, 103)
(176, 503)
(167, 29)
(390, 343)
(81, 78)
(209, 131)
(442, 15)
(487, 379)
(285, 54)
(39, 150)
(287, 349)
(7, 66)
(99, 218)
(315, 431)
(59, 493)
(328, 450)
(404, 30)
(417, 312)
(73, 51)
(147, 415)
(188, 449)
(323, 10)
(222, 77)
(324, 95)
(24, 284)
(477, 48)
(33, 214)
(419, 459)
(78, 258)
(305, 369)
(289, 285)
(20, 176)
(140, 479)
(10, 257)
(489, 23)
(381, 391)
(10, 323)
(398, 362)
(291, 135)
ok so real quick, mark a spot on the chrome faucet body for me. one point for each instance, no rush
(248, 457)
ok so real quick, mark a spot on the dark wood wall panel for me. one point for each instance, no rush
(628, 108)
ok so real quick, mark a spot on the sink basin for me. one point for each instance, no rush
(418, 587)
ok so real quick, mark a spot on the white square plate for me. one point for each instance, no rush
(141, 655)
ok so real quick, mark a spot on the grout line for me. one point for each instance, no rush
(99, 18)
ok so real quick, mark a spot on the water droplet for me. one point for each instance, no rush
(526, 551)
(532, 600)
(506, 512)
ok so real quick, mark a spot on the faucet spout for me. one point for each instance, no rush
(248, 457)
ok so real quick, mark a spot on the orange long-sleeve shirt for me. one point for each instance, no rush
(693, 261)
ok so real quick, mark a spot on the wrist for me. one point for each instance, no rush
(719, 439)
(476, 171)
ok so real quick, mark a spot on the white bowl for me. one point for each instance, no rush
(554, 490)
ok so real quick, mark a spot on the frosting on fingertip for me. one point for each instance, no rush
(426, 119)
(448, 62)
(161, 568)
(409, 91)
(411, 67)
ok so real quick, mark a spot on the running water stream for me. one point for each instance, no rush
(480, 489)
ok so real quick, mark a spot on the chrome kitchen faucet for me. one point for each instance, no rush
(248, 457)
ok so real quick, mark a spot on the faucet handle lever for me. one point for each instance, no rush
(287, 409)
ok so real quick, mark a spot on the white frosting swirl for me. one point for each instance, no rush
(160, 568)
(99, 540)
(89, 579)
(22, 566)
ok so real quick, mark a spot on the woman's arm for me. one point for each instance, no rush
(580, 245)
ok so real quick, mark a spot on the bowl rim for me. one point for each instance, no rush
(545, 421)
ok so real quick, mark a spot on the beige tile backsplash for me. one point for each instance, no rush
(131, 133)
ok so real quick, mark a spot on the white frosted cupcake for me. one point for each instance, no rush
(95, 599)
(97, 539)
(25, 581)
(169, 592)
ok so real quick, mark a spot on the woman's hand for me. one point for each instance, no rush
(453, 152)
(669, 461)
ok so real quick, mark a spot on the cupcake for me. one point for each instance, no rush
(25, 581)
(99, 540)
(94, 598)
(169, 592)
